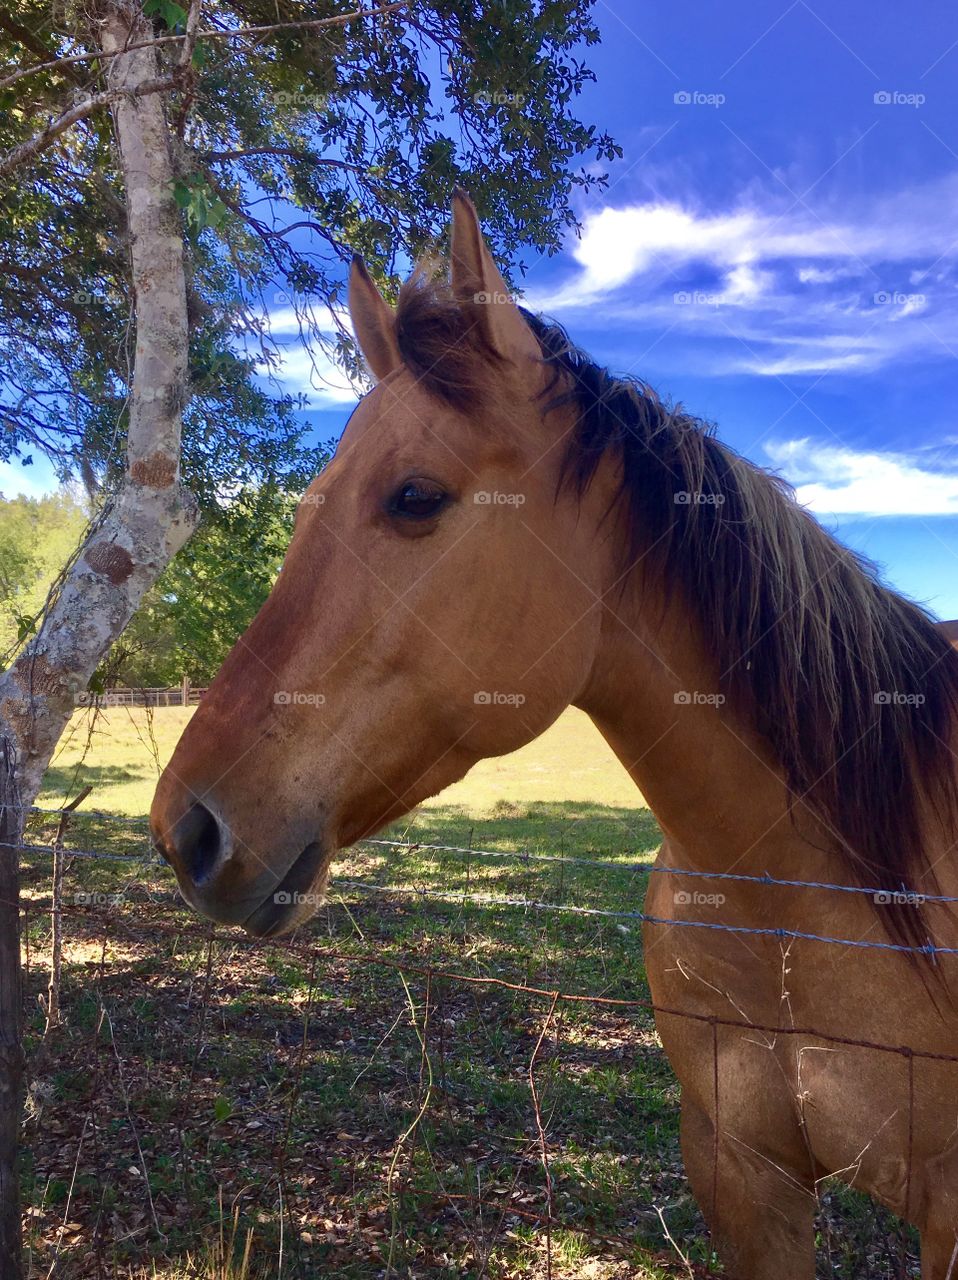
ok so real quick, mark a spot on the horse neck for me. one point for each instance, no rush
(705, 773)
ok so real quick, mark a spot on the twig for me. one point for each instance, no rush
(411, 1129)
(56, 914)
(192, 28)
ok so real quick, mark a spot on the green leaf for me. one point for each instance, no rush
(170, 14)
(222, 1109)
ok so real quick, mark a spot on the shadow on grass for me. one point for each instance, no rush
(357, 1115)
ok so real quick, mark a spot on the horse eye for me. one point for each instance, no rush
(418, 500)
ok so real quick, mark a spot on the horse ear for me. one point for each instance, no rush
(478, 284)
(373, 322)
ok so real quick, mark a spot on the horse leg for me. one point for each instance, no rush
(939, 1250)
(760, 1213)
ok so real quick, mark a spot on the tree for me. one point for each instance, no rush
(207, 597)
(289, 154)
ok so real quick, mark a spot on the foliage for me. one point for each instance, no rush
(37, 537)
(291, 153)
(208, 595)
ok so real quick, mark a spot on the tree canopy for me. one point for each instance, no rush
(292, 149)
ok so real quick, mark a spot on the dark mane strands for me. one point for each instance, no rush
(810, 637)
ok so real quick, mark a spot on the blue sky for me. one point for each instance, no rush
(778, 249)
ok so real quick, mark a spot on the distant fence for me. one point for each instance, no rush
(183, 694)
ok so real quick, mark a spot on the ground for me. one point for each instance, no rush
(375, 1097)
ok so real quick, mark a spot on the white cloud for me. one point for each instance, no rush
(619, 244)
(311, 371)
(33, 482)
(787, 290)
(303, 366)
(835, 480)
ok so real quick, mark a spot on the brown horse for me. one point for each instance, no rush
(507, 529)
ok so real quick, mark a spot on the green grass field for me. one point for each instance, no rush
(120, 751)
(338, 1100)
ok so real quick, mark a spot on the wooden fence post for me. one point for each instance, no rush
(11, 1015)
(185, 692)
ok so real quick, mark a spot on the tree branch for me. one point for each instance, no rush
(40, 141)
(311, 24)
(36, 46)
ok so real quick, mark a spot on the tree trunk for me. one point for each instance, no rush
(136, 535)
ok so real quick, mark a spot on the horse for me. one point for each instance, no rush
(507, 529)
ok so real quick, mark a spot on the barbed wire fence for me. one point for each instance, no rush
(426, 1012)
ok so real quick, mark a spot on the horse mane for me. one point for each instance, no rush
(854, 688)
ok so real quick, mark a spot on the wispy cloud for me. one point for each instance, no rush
(833, 480)
(304, 366)
(777, 289)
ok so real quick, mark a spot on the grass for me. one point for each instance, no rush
(350, 1119)
(119, 752)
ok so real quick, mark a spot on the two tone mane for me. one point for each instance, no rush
(854, 688)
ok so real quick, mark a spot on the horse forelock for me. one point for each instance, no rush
(854, 687)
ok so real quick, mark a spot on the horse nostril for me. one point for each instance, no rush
(198, 842)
